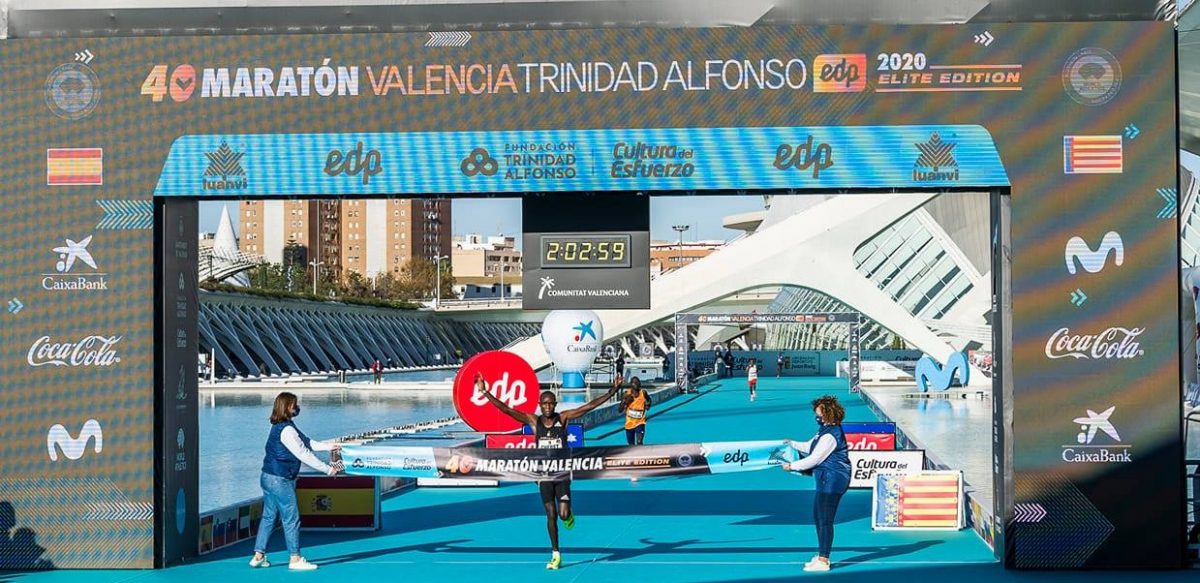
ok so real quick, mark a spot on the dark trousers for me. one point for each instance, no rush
(824, 510)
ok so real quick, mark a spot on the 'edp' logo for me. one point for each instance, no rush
(839, 73)
(738, 457)
(354, 162)
(810, 154)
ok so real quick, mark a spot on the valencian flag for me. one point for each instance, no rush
(921, 500)
(74, 166)
(1092, 155)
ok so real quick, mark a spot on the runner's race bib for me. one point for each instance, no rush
(549, 443)
(634, 413)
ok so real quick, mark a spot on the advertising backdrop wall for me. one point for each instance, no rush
(1078, 120)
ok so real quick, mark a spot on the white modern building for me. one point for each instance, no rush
(917, 266)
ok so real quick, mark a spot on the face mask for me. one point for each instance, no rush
(820, 421)
(295, 410)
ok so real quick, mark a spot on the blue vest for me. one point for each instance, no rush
(279, 461)
(833, 474)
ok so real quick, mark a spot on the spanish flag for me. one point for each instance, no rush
(74, 166)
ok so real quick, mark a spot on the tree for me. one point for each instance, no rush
(357, 286)
(420, 279)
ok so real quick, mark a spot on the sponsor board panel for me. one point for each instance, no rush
(866, 465)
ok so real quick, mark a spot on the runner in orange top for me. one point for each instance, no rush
(636, 404)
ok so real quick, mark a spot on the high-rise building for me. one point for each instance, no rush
(478, 258)
(369, 237)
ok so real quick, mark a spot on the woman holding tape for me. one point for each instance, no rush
(827, 457)
(287, 449)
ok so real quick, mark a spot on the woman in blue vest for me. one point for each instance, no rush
(287, 448)
(827, 457)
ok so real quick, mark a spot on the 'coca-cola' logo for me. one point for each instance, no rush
(1115, 342)
(88, 351)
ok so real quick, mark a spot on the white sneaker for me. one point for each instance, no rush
(262, 563)
(817, 567)
(304, 565)
(812, 560)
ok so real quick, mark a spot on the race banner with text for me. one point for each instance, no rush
(582, 463)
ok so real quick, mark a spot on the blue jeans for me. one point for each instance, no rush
(830, 488)
(279, 500)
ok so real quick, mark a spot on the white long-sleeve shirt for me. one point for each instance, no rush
(815, 451)
(291, 440)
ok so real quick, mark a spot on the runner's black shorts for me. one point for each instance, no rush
(555, 491)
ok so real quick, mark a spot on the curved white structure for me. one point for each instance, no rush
(812, 249)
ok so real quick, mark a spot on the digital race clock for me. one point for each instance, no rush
(586, 251)
(590, 250)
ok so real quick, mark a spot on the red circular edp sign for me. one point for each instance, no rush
(508, 377)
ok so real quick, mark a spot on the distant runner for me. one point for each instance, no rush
(752, 376)
(779, 365)
(636, 405)
(550, 429)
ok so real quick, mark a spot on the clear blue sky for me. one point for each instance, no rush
(503, 215)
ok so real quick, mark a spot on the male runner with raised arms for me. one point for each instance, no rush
(550, 429)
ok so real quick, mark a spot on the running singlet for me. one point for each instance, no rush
(553, 437)
(635, 413)
(752, 373)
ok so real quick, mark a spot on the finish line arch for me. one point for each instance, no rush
(683, 320)
(120, 149)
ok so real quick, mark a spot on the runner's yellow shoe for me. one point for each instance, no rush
(555, 561)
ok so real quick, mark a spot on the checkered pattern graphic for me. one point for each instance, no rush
(1070, 532)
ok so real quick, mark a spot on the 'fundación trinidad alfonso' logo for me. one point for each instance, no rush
(224, 171)
(936, 162)
(1089, 428)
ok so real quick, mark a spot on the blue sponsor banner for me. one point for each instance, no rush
(745, 456)
(397, 461)
(363, 164)
(574, 434)
(868, 427)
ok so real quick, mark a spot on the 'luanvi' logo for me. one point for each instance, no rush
(73, 448)
(936, 161)
(1094, 261)
(224, 171)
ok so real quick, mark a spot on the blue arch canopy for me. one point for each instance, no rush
(741, 158)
